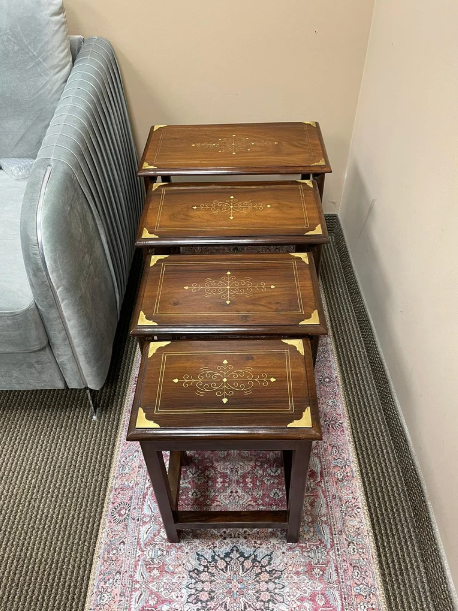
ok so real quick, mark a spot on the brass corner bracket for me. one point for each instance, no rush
(143, 321)
(156, 258)
(301, 255)
(154, 346)
(144, 423)
(313, 319)
(317, 231)
(304, 422)
(147, 234)
(298, 343)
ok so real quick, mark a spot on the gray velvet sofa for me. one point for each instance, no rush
(67, 234)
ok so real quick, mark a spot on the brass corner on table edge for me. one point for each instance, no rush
(154, 346)
(304, 422)
(301, 255)
(317, 231)
(298, 343)
(147, 234)
(144, 423)
(143, 321)
(155, 258)
(313, 319)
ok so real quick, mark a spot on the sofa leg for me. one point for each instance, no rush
(92, 398)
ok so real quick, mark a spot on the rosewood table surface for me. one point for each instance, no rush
(281, 212)
(245, 148)
(274, 294)
(255, 389)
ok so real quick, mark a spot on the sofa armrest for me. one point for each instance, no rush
(80, 215)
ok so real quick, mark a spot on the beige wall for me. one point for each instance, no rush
(400, 215)
(222, 61)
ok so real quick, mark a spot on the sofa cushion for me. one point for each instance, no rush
(35, 62)
(21, 328)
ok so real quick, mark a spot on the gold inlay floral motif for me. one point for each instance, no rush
(227, 286)
(224, 381)
(231, 206)
(235, 144)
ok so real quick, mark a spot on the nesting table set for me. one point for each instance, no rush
(228, 340)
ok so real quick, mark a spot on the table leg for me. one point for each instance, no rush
(299, 470)
(147, 180)
(287, 462)
(174, 475)
(319, 178)
(160, 482)
(317, 257)
(314, 339)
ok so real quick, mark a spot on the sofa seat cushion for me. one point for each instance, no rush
(21, 328)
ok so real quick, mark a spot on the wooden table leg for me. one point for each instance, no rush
(314, 339)
(287, 462)
(299, 470)
(317, 257)
(160, 482)
(174, 475)
(319, 178)
(141, 343)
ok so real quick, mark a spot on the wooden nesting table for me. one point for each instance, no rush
(238, 333)
(234, 214)
(246, 295)
(231, 395)
(245, 148)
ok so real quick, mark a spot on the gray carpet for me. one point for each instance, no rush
(55, 464)
(54, 470)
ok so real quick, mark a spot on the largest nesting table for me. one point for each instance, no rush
(225, 395)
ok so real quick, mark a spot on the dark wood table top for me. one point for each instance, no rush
(230, 389)
(244, 148)
(274, 294)
(232, 213)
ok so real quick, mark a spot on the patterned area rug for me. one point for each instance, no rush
(332, 568)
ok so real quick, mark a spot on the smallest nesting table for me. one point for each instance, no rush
(226, 395)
